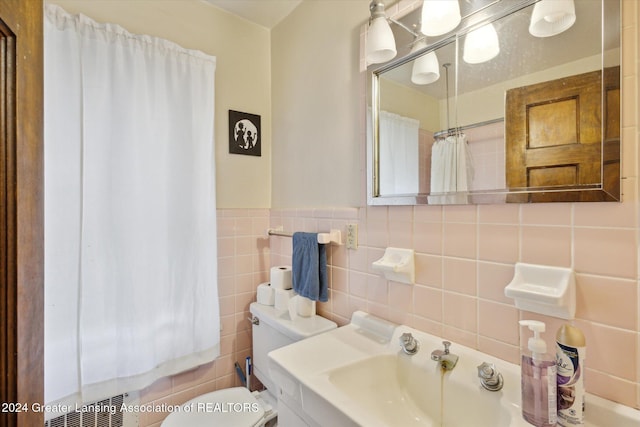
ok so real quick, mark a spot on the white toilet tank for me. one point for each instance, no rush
(273, 329)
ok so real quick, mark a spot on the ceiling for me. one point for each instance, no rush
(267, 13)
(520, 53)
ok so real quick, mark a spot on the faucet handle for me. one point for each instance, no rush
(408, 343)
(486, 370)
(490, 378)
(406, 337)
(446, 344)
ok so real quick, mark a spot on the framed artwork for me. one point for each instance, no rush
(244, 133)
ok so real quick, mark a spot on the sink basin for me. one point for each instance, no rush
(396, 392)
(392, 395)
(357, 375)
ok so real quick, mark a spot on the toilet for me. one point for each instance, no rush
(237, 406)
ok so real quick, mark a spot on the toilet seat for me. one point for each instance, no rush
(230, 407)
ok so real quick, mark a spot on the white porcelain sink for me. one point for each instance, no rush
(391, 388)
(391, 394)
(357, 375)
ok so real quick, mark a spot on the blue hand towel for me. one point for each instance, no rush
(309, 267)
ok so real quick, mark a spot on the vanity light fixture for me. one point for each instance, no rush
(439, 16)
(380, 43)
(551, 17)
(426, 68)
(481, 45)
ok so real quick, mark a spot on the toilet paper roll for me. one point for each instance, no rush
(266, 294)
(305, 306)
(282, 298)
(281, 277)
(300, 306)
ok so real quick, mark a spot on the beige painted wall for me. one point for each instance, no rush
(243, 79)
(317, 109)
(408, 102)
(309, 62)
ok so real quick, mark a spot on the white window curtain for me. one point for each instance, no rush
(399, 167)
(130, 225)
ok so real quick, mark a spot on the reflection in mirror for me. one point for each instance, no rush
(409, 117)
(477, 132)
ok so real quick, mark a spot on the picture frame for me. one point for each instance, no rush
(245, 136)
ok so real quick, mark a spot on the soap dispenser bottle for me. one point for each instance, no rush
(538, 380)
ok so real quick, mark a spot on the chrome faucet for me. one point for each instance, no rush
(490, 378)
(408, 343)
(446, 359)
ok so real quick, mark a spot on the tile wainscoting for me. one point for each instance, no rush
(465, 256)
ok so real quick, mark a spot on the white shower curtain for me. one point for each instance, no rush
(399, 158)
(130, 220)
(451, 170)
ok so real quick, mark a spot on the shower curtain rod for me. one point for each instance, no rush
(453, 131)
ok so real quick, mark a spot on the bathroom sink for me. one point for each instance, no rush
(396, 392)
(392, 395)
(357, 375)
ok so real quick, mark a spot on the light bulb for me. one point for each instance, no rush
(425, 68)
(381, 45)
(551, 17)
(439, 17)
(481, 45)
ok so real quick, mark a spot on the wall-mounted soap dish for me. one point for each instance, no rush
(544, 289)
(398, 265)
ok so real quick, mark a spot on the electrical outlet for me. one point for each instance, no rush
(352, 236)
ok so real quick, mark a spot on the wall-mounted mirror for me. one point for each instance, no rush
(537, 122)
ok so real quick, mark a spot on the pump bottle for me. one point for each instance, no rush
(539, 402)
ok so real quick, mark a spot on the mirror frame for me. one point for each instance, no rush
(468, 23)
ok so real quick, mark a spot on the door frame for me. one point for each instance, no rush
(21, 212)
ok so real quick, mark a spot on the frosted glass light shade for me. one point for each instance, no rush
(439, 16)
(381, 45)
(426, 68)
(551, 17)
(481, 45)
